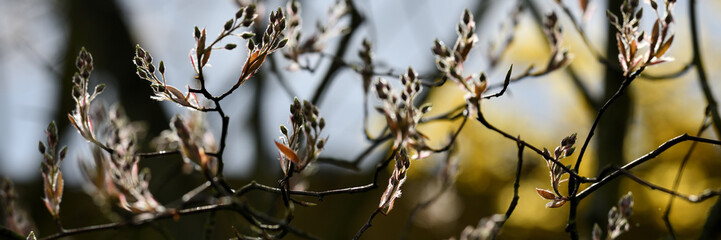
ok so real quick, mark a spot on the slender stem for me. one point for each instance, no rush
(450, 115)
(210, 226)
(679, 173)
(547, 157)
(367, 224)
(690, 198)
(156, 154)
(701, 70)
(117, 225)
(626, 82)
(223, 136)
(572, 212)
(455, 134)
(516, 184)
(353, 164)
(713, 220)
(651, 155)
(671, 75)
(320, 194)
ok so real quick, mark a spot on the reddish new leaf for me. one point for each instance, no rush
(252, 64)
(556, 203)
(545, 194)
(287, 152)
(584, 4)
(664, 47)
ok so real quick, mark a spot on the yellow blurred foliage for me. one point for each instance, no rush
(550, 108)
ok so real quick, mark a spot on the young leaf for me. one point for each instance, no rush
(556, 203)
(545, 194)
(664, 47)
(287, 152)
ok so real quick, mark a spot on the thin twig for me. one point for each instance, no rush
(651, 155)
(713, 220)
(690, 198)
(164, 215)
(156, 154)
(320, 194)
(704, 125)
(572, 174)
(367, 224)
(450, 115)
(454, 136)
(353, 164)
(516, 183)
(626, 82)
(506, 81)
(671, 75)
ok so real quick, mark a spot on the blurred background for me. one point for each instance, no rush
(39, 40)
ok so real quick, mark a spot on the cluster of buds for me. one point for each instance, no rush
(450, 62)
(117, 179)
(52, 176)
(272, 40)
(556, 199)
(559, 55)
(245, 17)
(101, 188)
(132, 185)
(317, 41)
(398, 177)
(402, 116)
(294, 22)
(193, 139)
(466, 36)
(487, 228)
(630, 39)
(145, 69)
(474, 87)
(303, 145)
(120, 134)
(80, 116)
(617, 219)
(195, 121)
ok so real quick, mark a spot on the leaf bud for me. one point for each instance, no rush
(230, 46)
(228, 25)
(283, 130)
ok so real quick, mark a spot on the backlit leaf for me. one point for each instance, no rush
(548, 195)
(287, 152)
